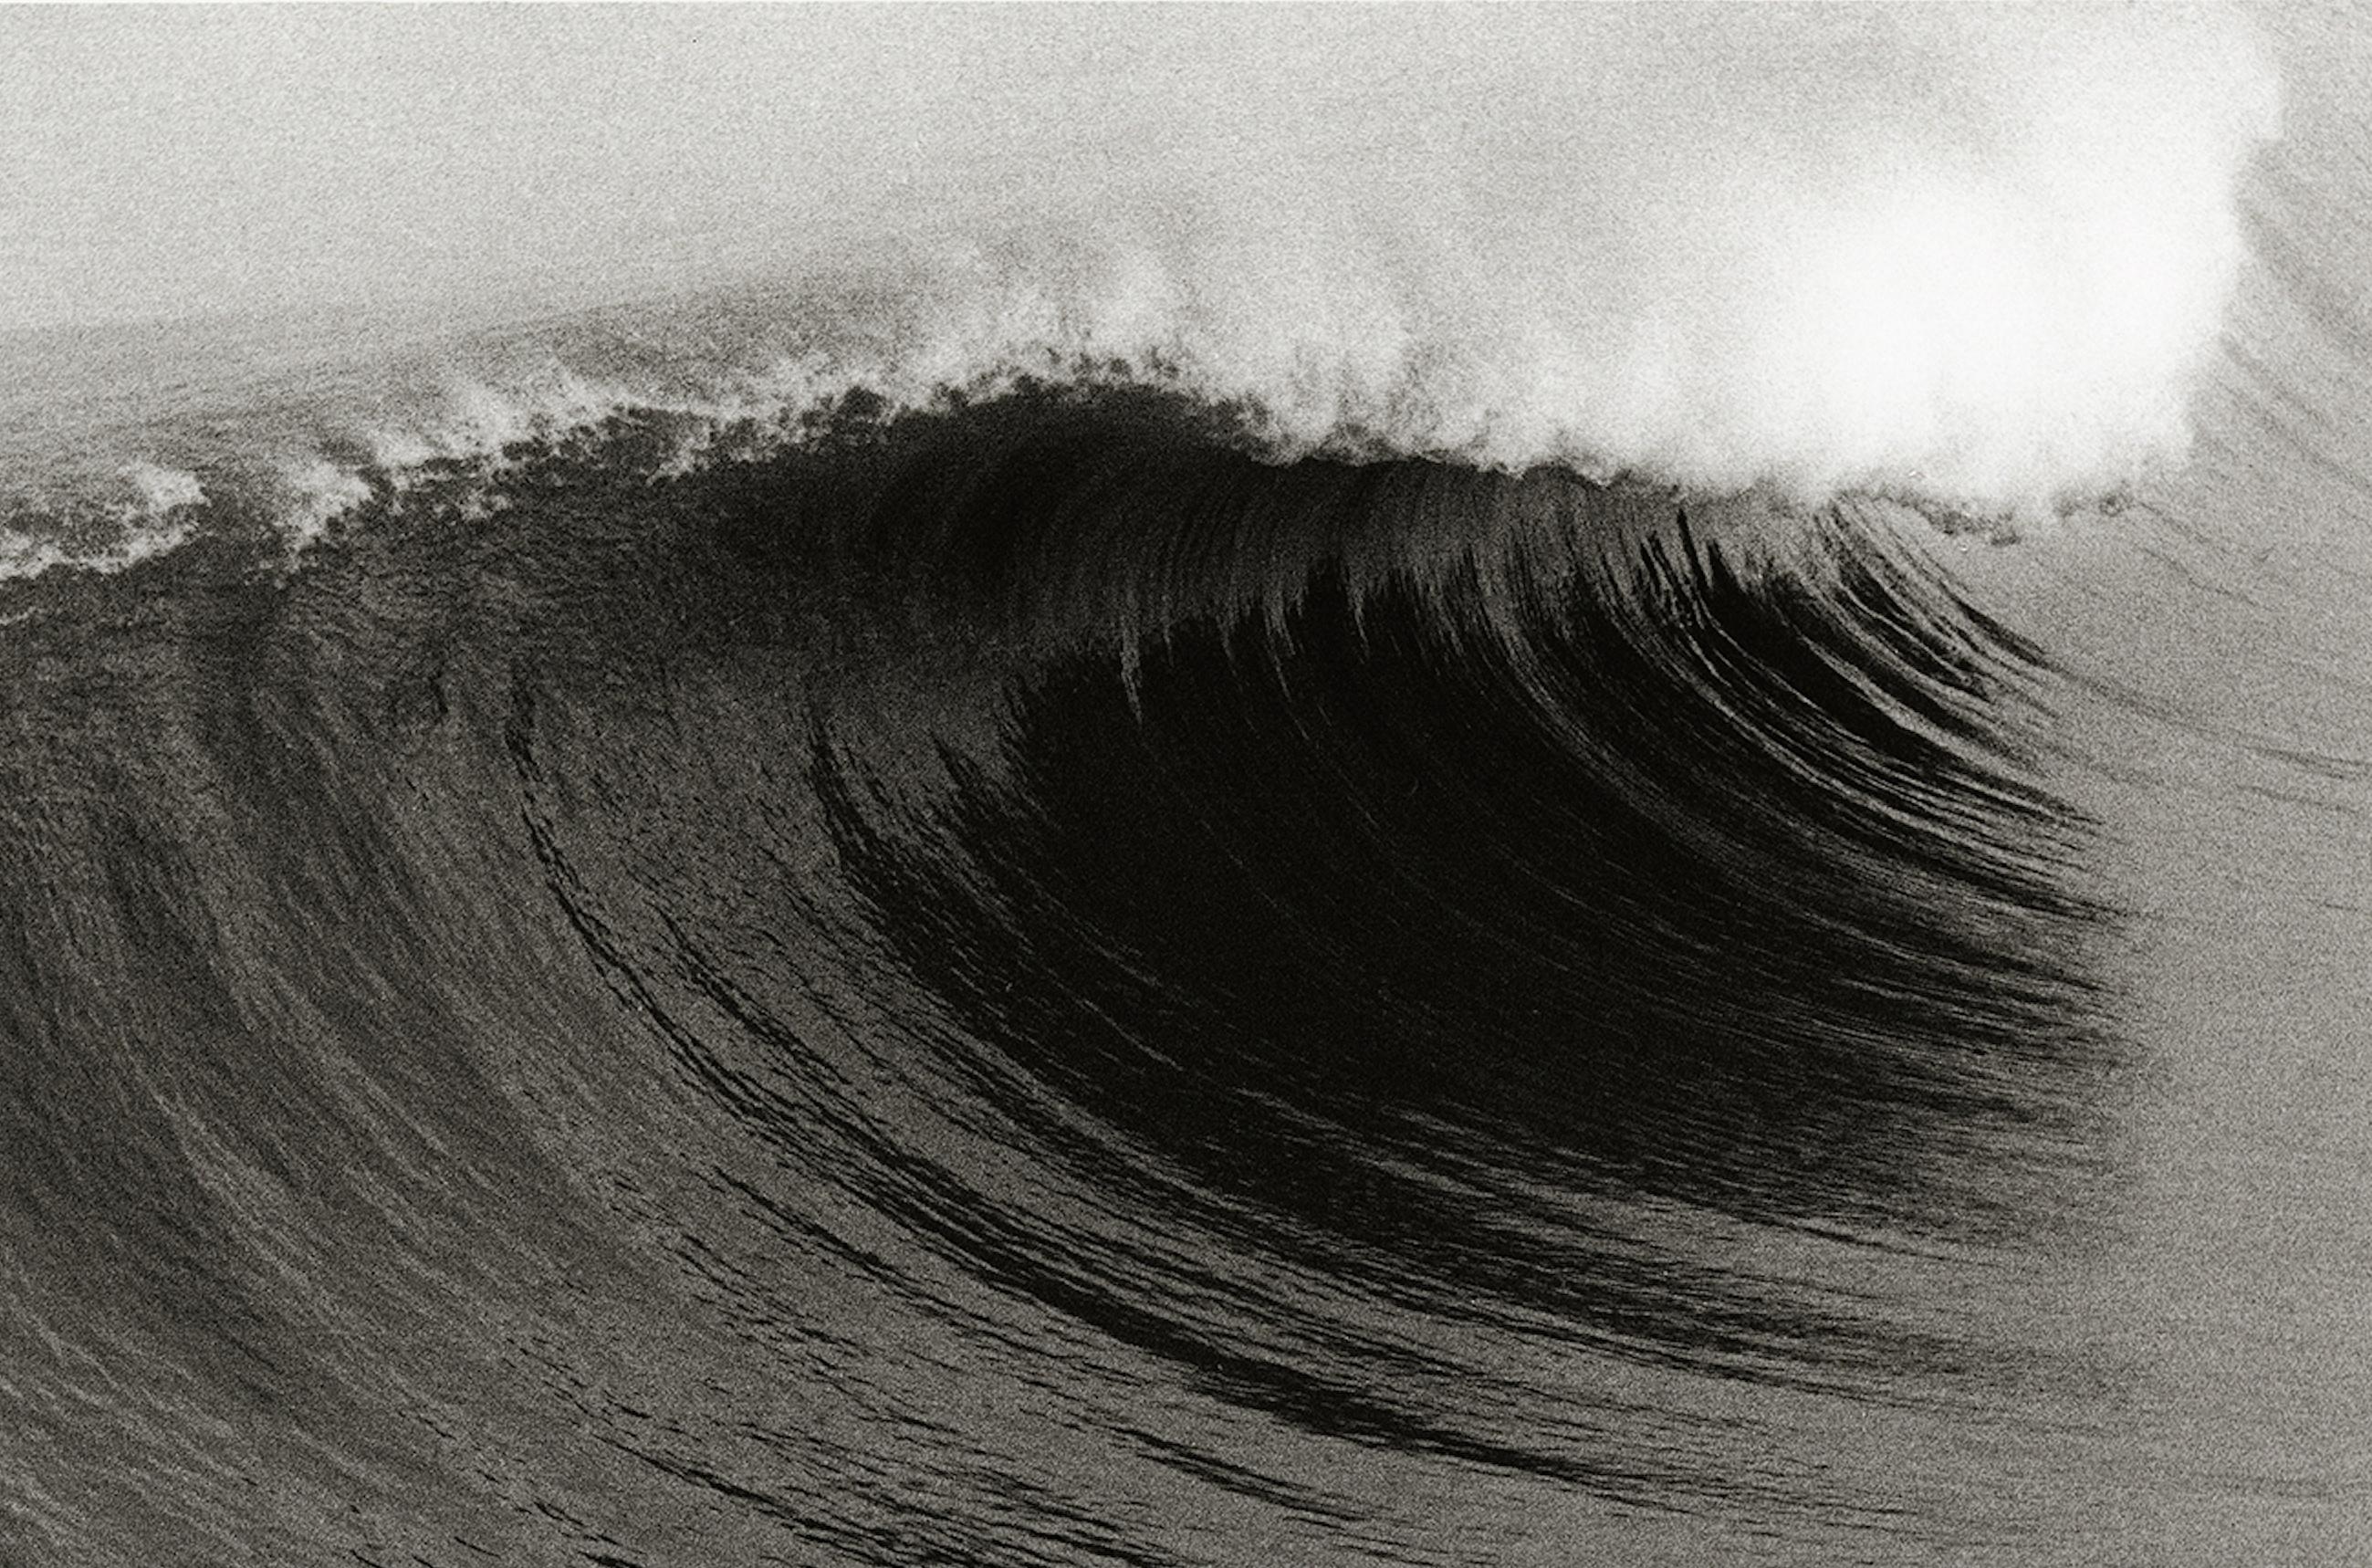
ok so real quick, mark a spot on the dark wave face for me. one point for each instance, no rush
(1624, 831)
(609, 1020)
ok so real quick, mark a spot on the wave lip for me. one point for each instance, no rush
(1968, 260)
(1721, 252)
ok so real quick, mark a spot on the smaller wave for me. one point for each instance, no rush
(137, 512)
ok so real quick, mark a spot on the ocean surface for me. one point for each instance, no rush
(1186, 787)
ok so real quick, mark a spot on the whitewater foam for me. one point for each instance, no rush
(140, 511)
(1972, 257)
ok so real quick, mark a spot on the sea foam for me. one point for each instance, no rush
(1972, 257)
(1975, 256)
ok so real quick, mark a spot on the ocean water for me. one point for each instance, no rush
(892, 786)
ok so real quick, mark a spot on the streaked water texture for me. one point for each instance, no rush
(1312, 842)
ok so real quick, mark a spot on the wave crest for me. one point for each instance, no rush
(1721, 252)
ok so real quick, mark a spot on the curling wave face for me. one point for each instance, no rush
(1389, 953)
(1285, 842)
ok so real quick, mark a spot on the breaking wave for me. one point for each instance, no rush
(1290, 835)
(1974, 261)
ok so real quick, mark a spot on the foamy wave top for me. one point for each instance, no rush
(1975, 256)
